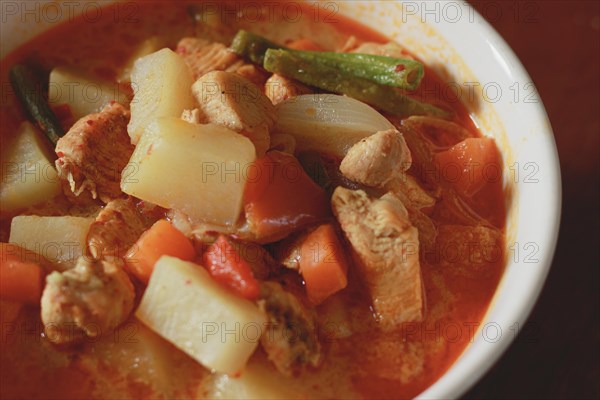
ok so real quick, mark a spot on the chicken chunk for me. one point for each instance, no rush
(91, 299)
(116, 229)
(96, 295)
(386, 248)
(279, 88)
(377, 159)
(230, 100)
(92, 155)
(291, 341)
(203, 56)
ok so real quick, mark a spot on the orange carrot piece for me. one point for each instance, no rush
(469, 165)
(162, 239)
(229, 268)
(21, 279)
(323, 264)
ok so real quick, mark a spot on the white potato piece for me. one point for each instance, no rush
(200, 170)
(162, 84)
(84, 93)
(58, 239)
(328, 123)
(28, 175)
(146, 47)
(256, 382)
(184, 305)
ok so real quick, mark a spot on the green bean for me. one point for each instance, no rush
(311, 71)
(28, 90)
(387, 71)
(251, 46)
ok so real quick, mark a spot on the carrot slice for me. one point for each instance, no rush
(20, 278)
(323, 264)
(162, 239)
(469, 165)
(229, 268)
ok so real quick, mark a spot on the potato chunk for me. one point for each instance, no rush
(148, 46)
(84, 94)
(162, 84)
(58, 239)
(187, 307)
(28, 176)
(199, 170)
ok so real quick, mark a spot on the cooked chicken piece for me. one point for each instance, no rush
(116, 229)
(290, 341)
(377, 159)
(228, 99)
(381, 160)
(97, 295)
(386, 249)
(203, 56)
(92, 155)
(91, 299)
(279, 88)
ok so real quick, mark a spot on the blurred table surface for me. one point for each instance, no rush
(557, 354)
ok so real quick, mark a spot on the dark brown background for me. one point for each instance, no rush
(557, 354)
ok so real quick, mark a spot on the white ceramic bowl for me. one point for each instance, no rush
(467, 52)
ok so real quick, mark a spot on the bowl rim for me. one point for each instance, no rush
(457, 381)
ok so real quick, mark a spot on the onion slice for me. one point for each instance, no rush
(328, 123)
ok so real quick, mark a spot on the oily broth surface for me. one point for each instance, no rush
(367, 364)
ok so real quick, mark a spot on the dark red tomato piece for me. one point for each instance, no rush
(229, 268)
(280, 197)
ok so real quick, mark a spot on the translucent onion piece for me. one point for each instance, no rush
(328, 123)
